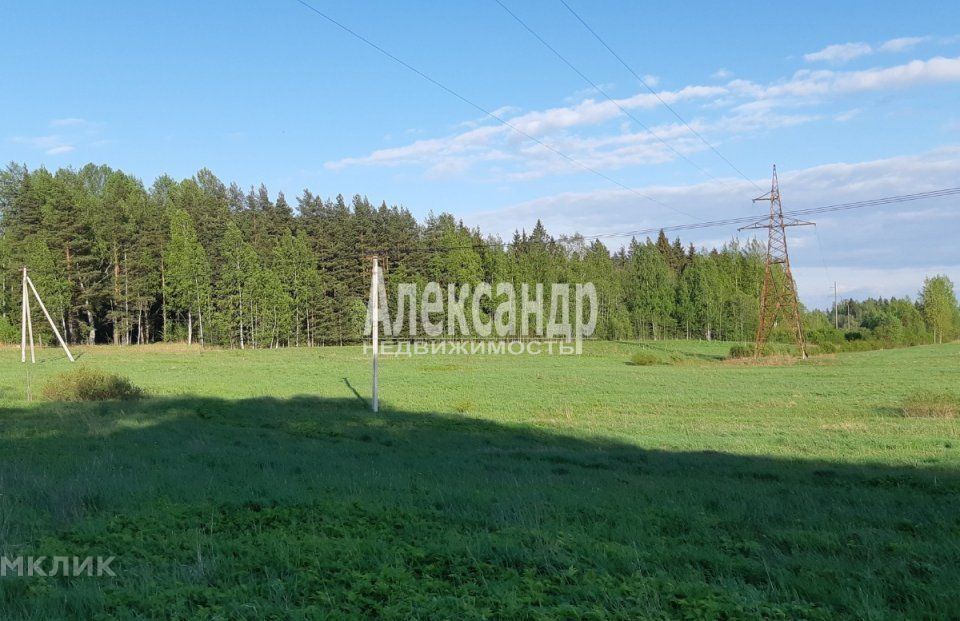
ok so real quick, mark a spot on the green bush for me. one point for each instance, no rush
(827, 347)
(643, 359)
(860, 345)
(780, 349)
(83, 384)
(931, 404)
(746, 350)
(741, 351)
(823, 336)
(854, 335)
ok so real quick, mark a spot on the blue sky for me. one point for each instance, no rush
(852, 100)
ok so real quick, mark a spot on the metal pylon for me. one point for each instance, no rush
(778, 298)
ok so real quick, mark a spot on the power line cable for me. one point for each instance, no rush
(680, 227)
(600, 90)
(657, 95)
(875, 202)
(483, 110)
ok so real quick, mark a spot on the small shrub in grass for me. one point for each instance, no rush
(931, 404)
(83, 384)
(741, 351)
(827, 348)
(780, 349)
(643, 359)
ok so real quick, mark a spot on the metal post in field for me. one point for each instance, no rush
(777, 297)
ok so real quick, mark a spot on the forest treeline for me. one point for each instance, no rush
(201, 261)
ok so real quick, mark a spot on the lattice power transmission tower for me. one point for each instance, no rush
(778, 299)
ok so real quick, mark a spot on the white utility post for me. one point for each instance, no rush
(33, 355)
(28, 322)
(375, 319)
(23, 317)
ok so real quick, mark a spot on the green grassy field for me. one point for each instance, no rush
(257, 485)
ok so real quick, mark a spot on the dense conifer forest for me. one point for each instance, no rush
(198, 260)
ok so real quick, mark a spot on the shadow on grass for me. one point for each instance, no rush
(360, 398)
(306, 507)
(673, 351)
(887, 410)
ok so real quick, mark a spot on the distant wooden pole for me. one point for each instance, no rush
(375, 318)
(836, 310)
(56, 332)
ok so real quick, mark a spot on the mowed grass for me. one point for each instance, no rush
(257, 485)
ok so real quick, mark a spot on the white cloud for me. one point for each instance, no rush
(901, 44)
(598, 134)
(722, 74)
(505, 110)
(592, 112)
(50, 144)
(907, 240)
(71, 133)
(480, 142)
(849, 115)
(64, 148)
(839, 53)
(501, 112)
(589, 91)
(809, 84)
(863, 282)
(844, 52)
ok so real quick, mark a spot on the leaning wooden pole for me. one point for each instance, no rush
(53, 325)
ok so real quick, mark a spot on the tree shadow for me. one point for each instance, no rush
(310, 504)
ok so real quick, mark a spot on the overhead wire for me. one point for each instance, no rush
(691, 226)
(657, 95)
(646, 231)
(485, 111)
(600, 90)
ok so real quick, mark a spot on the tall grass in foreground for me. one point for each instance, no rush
(85, 384)
(931, 404)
